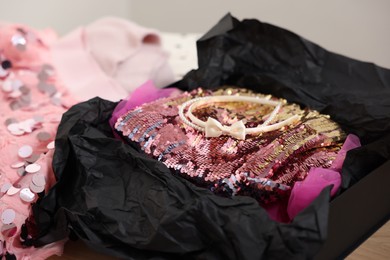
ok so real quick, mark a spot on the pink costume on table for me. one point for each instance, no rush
(110, 58)
(32, 102)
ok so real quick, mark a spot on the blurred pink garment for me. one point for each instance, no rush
(304, 192)
(32, 100)
(11, 34)
(110, 58)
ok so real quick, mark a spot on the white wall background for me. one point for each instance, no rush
(356, 28)
(62, 15)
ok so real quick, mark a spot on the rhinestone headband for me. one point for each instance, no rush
(238, 130)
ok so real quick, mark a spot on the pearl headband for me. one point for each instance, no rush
(213, 128)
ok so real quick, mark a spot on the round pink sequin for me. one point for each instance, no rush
(13, 190)
(43, 136)
(39, 180)
(35, 188)
(38, 118)
(9, 121)
(26, 195)
(8, 216)
(17, 84)
(5, 187)
(19, 41)
(51, 145)
(26, 126)
(33, 168)
(17, 132)
(17, 165)
(33, 158)
(25, 151)
(7, 86)
(3, 72)
(13, 127)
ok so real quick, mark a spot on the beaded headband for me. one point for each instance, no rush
(213, 128)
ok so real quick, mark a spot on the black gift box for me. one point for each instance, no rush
(356, 94)
(357, 214)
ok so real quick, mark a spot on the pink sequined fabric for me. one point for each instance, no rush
(264, 166)
(32, 101)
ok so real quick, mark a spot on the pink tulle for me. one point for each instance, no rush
(304, 192)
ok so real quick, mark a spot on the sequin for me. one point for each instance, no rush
(25, 151)
(43, 136)
(7, 86)
(154, 126)
(13, 190)
(6, 64)
(47, 88)
(5, 187)
(48, 69)
(8, 216)
(38, 118)
(26, 195)
(15, 105)
(33, 158)
(56, 101)
(3, 72)
(19, 41)
(26, 126)
(39, 180)
(133, 132)
(17, 165)
(9, 121)
(25, 91)
(36, 189)
(13, 127)
(33, 168)
(51, 145)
